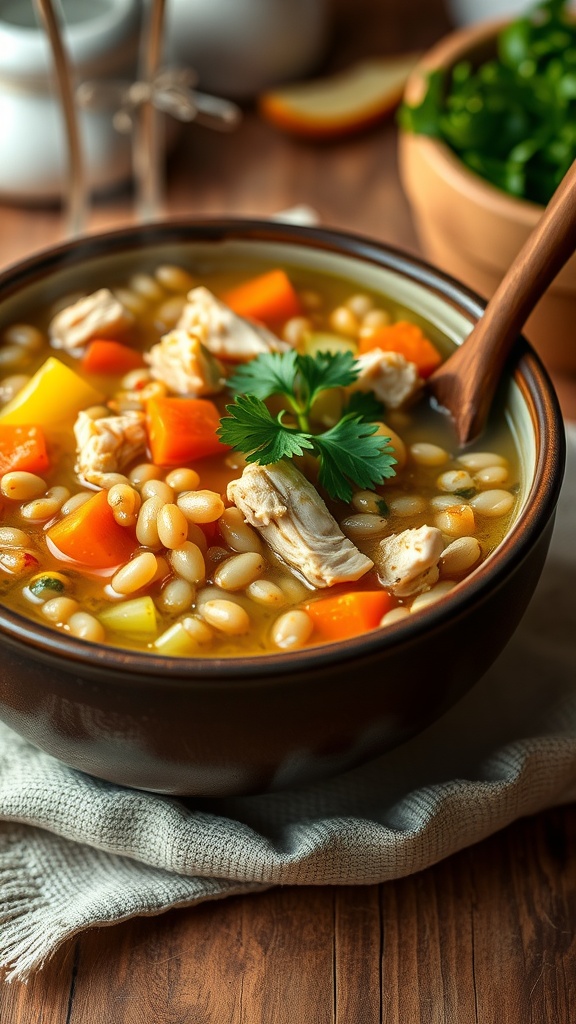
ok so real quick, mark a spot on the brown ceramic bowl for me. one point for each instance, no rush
(212, 727)
(467, 226)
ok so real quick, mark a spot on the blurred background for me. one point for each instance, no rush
(234, 138)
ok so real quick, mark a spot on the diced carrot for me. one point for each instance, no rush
(91, 536)
(104, 356)
(409, 341)
(22, 447)
(351, 614)
(181, 430)
(269, 298)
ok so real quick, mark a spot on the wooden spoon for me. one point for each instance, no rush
(465, 384)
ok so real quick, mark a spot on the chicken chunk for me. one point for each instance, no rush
(99, 315)
(185, 365)
(389, 375)
(291, 517)
(407, 562)
(108, 444)
(224, 333)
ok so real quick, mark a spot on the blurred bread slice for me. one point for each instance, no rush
(341, 104)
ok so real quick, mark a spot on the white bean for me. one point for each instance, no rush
(137, 304)
(59, 609)
(374, 319)
(201, 506)
(145, 285)
(394, 615)
(142, 473)
(364, 525)
(11, 386)
(25, 335)
(182, 479)
(14, 357)
(343, 321)
(459, 556)
(237, 534)
(147, 523)
(425, 454)
(187, 561)
(75, 501)
(137, 573)
(177, 596)
(227, 616)
(455, 480)
(293, 589)
(479, 460)
(490, 476)
(407, 505)
(125, 502)
(85, 626)
(197, 629)
(157, 489)
(21, 486)
(172, 526)
(169, 313)
(431, 596)
(237, 572)
(292, 630)
(296, 330)
(12, 537)
(493, 503)
(174, 278)
(266, 593)
(368, 501)
(441, 501)
(360, 305)
(40, 509)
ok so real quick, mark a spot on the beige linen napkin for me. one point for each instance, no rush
(76, 852)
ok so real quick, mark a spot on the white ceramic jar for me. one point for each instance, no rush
(101, 37)
(240, 47)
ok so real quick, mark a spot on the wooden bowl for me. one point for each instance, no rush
(214, 727)
(467, 226)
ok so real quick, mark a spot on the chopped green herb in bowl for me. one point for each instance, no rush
(510, 118)
(487, 131)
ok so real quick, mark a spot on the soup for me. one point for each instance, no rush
(224, 464)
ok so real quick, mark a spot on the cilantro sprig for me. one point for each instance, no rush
(349, 453)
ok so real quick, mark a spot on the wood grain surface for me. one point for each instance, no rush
(487, 936)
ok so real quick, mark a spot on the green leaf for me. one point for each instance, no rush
(364, 404)
(250, 428)
(323, 371)
(272, 373)
(352, 452)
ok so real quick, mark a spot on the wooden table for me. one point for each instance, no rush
(488, 935)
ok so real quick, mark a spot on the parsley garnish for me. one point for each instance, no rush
(349, 453)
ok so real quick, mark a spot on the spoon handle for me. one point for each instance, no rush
(466, 382)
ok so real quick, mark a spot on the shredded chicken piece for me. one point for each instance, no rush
(185, 365)
(291, 517)
(407, 562)
(99, 315)
(224, 333)
(108, 444)
(389, 375)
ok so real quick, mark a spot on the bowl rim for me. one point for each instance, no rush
(444, 54)
(132, 666)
